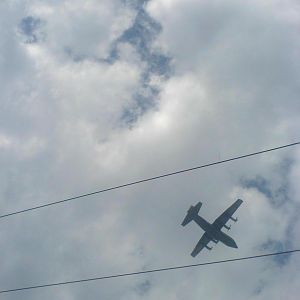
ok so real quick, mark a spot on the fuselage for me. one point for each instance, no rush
(215, 233)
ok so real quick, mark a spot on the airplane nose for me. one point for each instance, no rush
(234, 245)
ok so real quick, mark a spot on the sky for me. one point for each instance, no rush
(100, 93)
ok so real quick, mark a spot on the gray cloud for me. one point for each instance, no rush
(233, 89)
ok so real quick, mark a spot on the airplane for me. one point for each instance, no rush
(213, 231)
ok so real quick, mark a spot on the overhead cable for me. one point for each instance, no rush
(146, 180)
(147, 271)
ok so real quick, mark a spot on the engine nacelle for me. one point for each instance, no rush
(233, 219)
(227, 227)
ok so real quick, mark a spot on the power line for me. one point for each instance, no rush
(147, 179)
(148, 271)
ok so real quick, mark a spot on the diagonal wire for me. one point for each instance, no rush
(147, 179)
(148, 271)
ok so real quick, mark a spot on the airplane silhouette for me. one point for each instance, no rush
(213, 231)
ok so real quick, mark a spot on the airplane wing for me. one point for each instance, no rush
(205, 239)
(227, 214)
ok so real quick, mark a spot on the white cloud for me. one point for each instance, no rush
(85, 29)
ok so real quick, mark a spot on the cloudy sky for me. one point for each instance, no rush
(100, 93)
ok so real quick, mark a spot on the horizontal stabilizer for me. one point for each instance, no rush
(191, 213)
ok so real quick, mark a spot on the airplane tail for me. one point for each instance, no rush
(191, 213)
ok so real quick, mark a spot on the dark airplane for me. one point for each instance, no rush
(212, 231)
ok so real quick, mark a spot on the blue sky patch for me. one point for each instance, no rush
(272, 245)
(141, 36)
(30, 28)
(143, 288)
(259, 183)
